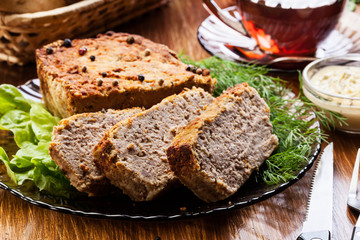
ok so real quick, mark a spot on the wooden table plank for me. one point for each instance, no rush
(279, 217)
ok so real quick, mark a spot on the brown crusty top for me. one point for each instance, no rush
(122, 63)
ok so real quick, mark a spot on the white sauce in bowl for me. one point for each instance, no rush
(337, 88)
(339, 80)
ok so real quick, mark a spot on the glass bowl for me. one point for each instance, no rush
(323, 96)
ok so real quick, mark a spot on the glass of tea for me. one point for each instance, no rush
(284, 27)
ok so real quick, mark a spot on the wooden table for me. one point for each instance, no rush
(279, 217)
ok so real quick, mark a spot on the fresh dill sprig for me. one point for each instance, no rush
(292, 117)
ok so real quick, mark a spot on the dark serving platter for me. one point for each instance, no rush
(180, 203)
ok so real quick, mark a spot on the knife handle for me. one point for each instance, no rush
(319, 235)
(356, 234)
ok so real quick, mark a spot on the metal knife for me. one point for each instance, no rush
(318, 224)
(356, 230)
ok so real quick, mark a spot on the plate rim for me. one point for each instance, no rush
(216, 210)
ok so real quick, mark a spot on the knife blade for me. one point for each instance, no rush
(318, 224)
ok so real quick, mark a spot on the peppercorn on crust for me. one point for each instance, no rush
(132, 154)
(72, 147)
(217, 152)
(115, 70)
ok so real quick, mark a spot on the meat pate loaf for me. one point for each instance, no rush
(132, 154)
(114, 70)
(217, 152)
(72, 147)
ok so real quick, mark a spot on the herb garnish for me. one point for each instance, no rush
(292, 118)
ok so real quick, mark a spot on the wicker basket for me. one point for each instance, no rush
(21, 34)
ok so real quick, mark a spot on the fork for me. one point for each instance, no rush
(353, 202)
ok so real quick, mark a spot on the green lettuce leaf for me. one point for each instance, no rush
(42, 122)
(19, 123)
(32, 127)
(4, 158)
(11, 98)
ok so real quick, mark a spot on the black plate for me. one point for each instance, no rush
(178, 204)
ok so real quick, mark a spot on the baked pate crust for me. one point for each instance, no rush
(132, 154)
(214, 154)
(114, 70)
(72, 144)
